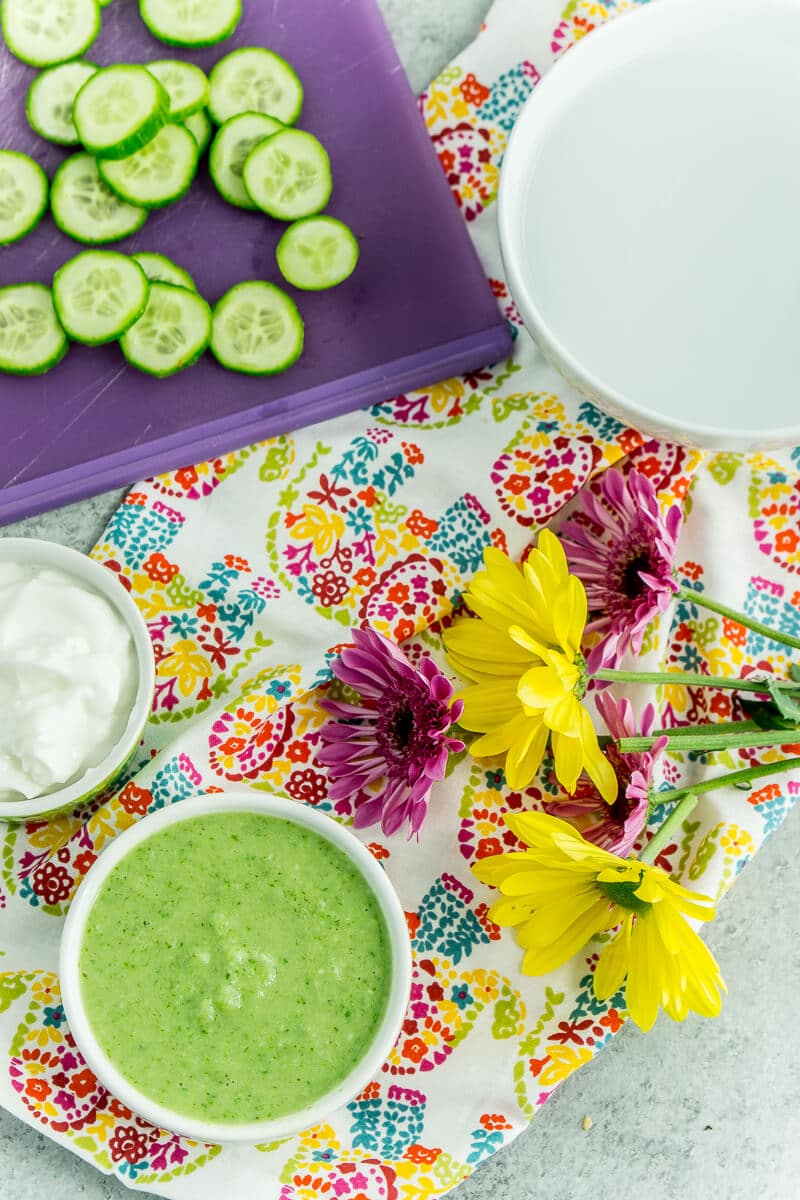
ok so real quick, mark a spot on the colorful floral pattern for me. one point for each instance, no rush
(250, 570)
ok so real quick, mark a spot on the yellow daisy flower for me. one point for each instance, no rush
(522, 656)
(563, 890)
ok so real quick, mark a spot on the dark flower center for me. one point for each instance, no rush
(631, 582)
(401, 726)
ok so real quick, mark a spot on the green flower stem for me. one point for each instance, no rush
(729, 779)
(740, 618)
(713, 741)
(682, 731)
(694, 679)
(663, 836)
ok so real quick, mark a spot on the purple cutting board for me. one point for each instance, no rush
(418, 309)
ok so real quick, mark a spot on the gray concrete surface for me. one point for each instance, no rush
(703, 1111)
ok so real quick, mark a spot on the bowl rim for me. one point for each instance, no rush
(532, 124)
(42, 553)
(205, 804)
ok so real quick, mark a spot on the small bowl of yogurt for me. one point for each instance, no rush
(235, 967)
(76, 678)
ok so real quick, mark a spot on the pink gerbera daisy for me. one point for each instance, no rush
(615, 827)
(388, 749)
(622, 549)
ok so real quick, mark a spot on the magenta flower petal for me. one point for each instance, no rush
(622, 548)
(616, 827)
(395, 739)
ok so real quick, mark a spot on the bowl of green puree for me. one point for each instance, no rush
(235, 967)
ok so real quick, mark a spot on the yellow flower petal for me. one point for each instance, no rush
(543, 958)
(525, 754)
(510, 910)
(504, 737)
(497, 867)
(642, 993)
(613, 965)
(568, 756)
(542, 687)
(570, 610)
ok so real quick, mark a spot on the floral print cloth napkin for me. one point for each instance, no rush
(250, 570)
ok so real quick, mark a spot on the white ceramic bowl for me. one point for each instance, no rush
(362, 1072)
(100, 579)
(648, 219)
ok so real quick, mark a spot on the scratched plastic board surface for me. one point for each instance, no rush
(418, 309)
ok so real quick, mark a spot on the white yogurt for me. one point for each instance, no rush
(68, 679)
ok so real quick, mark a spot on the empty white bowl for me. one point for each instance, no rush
(648, 214)
(33, 552)
(362, 1071)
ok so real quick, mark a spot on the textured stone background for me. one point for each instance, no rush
(703, 1111)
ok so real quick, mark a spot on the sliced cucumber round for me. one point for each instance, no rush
(172, 332)
(231, 146)
(160, 269)
(253, 79)
(119, 110)
(86, 209)
(99, 294)
(257, 329)
(45, 32)
(201, 129)
(162, 171)
(289, 175)
(317, 253)
(185, 84)
(51, 97)
(187, 23)
(23, 195)
(31, 338)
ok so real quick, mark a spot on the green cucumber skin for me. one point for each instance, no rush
(254, 371)
(10, 369)
(295, 115)
(104, 341)
(46, 136)
(198, 354)
(52, 62)
(144, 134)
(43, 206)
(84, 240)
(323, 287)
(214, 41)
(150, 205)
(48, 366)
(180, 115)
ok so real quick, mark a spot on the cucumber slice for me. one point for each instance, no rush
(317, 253)
(257, 329)
(191, 22)
(86, 209)
(23, 195)
(253, 79)
(160, 269)
(201, 129)
(185, 84)
(289, 175)
(31, 339)
(231, 146)
(51, 97)
(119, 110)
(45, 32)
(171, 334)
(162, 171)
(99, 294)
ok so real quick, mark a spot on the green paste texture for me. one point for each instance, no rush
(235, 967)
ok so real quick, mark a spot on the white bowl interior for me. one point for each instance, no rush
(363, 1071)
(648, 213)
(49, 554)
